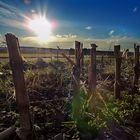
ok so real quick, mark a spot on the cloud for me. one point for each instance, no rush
(88, 27)
(30, 41)
(135, 9)
(1, 38)
(10, 10)
(54, 40)
(67, 41)
(11, 16)
(111, 32)
(6, 13)
(13, 23)
(65, 37)
(107, 43)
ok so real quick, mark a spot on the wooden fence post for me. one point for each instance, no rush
(110, 59)
(77, 61)
(102, 61)
(92, 70)
(77, 54)
(76, 71)
(57, 53)
(136, 67)
(51, 55)
(22, 98)
(117, 71)
(82, 57)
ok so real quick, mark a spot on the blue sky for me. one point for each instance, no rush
(101, 21)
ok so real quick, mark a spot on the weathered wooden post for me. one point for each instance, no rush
(117, 71)
(77, 54)
(102, 60)
(76, 105)
(51, 54)
(22, 98)
(92, 70)
(110, 60)
(76, 68)
(77, 62)
(57, 53)
(82, 57)
(136, 67)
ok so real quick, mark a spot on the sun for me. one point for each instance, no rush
(41, 27)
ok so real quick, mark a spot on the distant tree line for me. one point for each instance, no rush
(85, 51)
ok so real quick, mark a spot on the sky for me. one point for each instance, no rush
(104, 22)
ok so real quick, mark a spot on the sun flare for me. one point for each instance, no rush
(41, 27)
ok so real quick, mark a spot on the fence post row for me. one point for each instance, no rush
(92, 70)
(19, 82)
(136, 67)
(117, 71)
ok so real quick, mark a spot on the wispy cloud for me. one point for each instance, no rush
(135, 9)
(13, 23)
(11, 10)
(6, 13)
(88, 27)
(11, 16)
(66, 36)
(111, 32)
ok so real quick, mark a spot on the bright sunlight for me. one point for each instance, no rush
(41, 27)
